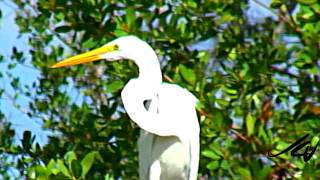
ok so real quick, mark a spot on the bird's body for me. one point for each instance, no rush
(169, 157)
(169, 140)
(164, 162)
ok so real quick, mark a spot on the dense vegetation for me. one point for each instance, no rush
(258, 84)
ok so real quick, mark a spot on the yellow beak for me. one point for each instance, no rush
(90, 56)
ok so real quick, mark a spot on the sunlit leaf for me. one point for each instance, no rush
(87, 162)
(250, 124)
(210, 154)
(63, 168)
(213, 165)
(187, 74)
(115, 86)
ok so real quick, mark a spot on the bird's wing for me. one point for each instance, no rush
(179, 104)
(133, 95)
(175, 108)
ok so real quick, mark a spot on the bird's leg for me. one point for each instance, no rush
(145, 153)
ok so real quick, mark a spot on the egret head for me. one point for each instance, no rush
(127, 47)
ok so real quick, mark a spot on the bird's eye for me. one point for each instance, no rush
(116, 47)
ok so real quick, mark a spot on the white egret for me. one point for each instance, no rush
(169, 140)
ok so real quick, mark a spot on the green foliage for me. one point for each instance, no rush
(70, 167)
(258, 92)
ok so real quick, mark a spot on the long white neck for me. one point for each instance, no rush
(150, 71)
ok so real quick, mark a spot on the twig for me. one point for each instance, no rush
(204, 113)
(289, 20)
(240, 136)
(284, 71)
(294, 25)
(167, 78)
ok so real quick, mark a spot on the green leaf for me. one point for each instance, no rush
(225, 165)
(300, 164)
(76, 168)
(63, 168)
(315, 141)
(63, 29)
(187, 74)
(232, 54)
(42, 172)
(52, 166)
(89, 44)
(115, 86)
(108, 111)
(120, 30)
(276, 3)
(87, 162)
(192, 4)
(130, 17)
(219, 119)
(307, 2)
(69, 157)
(230, 91)
(210, 154)
(108, 177)
(250, 124)
(222, 102)
(280, 147)
(245, 173)
(199, 105)
(27, 140)
(213, 165)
